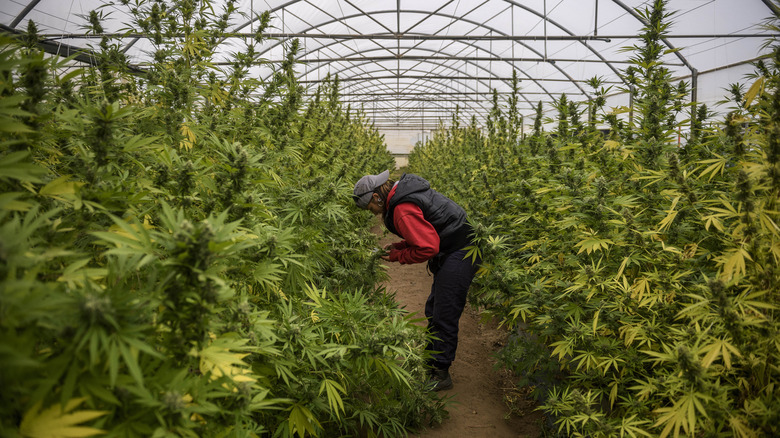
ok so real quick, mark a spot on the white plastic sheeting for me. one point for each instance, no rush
(409, 63)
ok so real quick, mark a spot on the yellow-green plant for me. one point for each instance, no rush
(639, 278)
(180, 254)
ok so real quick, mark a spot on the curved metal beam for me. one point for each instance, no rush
(30, 6)
(555, 23)
(464, 83)
(772, 7)
(479, 25)
(474, 64)
(475, 106)
(461, 78)
(634, 14)
(440, 64)
(483, 105)
(422, 87)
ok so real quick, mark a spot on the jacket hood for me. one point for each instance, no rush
(410, 183)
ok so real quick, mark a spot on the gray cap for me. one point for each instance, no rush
(366, 186)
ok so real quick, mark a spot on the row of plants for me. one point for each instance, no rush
(639, 278)
(179, 252)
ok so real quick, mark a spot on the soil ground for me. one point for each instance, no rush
(484, 402)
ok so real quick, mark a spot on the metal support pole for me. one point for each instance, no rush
(545, 30)
(522, 128)
(694, 95)
(422, 115)
(590, 111)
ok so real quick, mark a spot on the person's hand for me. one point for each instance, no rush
(381, 253)
(386, 256)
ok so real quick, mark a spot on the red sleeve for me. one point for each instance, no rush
(421, 241)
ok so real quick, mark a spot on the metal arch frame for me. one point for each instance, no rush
(476, 106)
(441, 64)
(555, 23)
(768, 3)
(408, 112)
(513, 3)
(442, 84)
(27, 9)
(479, 110)
(476, 65)
(479, 25)
(334, 19)
(428, 14)
(479, 105)
(460, 81)
(772, 7)
(633, 13)
(464, 83)
(419, 89)
(465, 20)
(407, 117)
(325, 45)
(483, 25)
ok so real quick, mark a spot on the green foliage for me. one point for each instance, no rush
(179, 251)
(640, 279)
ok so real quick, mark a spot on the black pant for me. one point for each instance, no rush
(452, 277)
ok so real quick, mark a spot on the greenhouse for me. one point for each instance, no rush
(185, 251)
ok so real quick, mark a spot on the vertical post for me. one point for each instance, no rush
(522, 128)
(631, 105)
(590, 111)
(422, 115)
(545, 30)
(398, 64)
(694, 95)
(596, 21)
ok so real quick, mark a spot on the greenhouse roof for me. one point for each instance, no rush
(410, 63)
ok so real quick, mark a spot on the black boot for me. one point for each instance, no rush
(440, 380)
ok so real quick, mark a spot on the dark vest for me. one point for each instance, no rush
(447, 217)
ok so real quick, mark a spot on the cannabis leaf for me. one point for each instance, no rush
(56, 422)
(682, 415)
(593, 243)
(219, 360)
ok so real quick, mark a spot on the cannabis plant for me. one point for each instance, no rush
(180, 253)
(637, 278)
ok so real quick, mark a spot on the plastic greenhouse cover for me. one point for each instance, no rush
(410, 63)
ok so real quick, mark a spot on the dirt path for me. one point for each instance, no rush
(478, 408)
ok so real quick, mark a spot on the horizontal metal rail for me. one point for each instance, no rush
(421, 96)
(445, 58)
(444, 77)
(412, 37)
